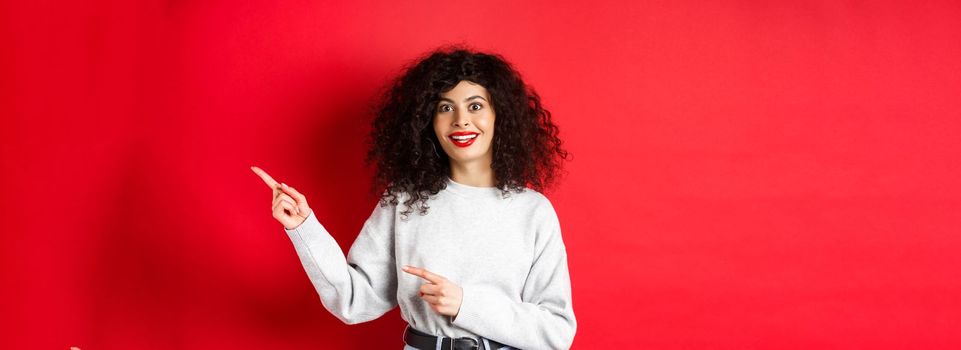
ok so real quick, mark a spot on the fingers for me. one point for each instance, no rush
(431, 289)
(300, 198)
(263, 175)
(273, 184)
(277, 191)
(277, 187)
(432, 293)
(283, 198)
(289, 206)
(281, 207)
(437, 296)
(422, 273)
(443, 296)
(431, 299)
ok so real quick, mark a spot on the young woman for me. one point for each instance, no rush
(461, 139)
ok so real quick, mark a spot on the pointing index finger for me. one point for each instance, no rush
(427, 275)
(263, 175)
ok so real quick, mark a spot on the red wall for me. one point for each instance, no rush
(745, 175)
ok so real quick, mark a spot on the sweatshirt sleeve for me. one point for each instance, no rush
(361, 287)
(544, 318)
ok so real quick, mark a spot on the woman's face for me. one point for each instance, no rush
(464, 123)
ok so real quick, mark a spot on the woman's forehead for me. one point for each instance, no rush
(465, 89)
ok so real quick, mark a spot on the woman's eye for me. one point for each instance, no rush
(445, 108)
(477, 105)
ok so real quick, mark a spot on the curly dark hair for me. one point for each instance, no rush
(408, 157)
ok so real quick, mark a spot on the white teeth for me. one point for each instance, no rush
(462, 138)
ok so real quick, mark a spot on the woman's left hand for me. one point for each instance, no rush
(443, 296)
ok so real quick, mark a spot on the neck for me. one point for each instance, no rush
(477, 173)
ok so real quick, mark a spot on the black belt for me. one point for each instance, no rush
(424, 341)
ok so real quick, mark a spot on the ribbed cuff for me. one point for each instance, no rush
(471, 308)
(308, 231)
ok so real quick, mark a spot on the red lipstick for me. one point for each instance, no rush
(462, 141)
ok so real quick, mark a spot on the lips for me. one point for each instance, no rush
(463, 138)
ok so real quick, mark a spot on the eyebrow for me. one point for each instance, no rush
(465, 100)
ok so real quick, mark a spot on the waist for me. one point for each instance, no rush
(426, 341)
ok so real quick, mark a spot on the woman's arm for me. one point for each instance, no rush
(361, 287)
(544, 319)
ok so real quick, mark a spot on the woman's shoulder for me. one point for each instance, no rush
(533, 203)
(534, 196)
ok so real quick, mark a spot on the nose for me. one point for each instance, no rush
(461, 119)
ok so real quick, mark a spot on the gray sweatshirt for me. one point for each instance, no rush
(507, 254)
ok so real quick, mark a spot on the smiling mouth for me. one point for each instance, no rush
(463, 140)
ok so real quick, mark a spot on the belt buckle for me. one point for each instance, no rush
(473, 343)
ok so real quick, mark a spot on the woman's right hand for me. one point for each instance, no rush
(289, 206)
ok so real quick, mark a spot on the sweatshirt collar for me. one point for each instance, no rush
(472, 191)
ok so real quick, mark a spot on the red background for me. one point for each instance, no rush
(745, 175)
